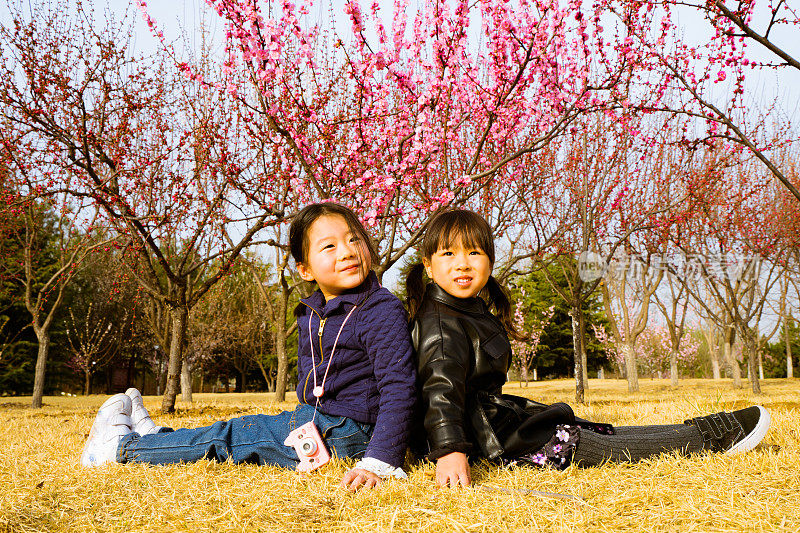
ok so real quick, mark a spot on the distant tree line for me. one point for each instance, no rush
(647, 221)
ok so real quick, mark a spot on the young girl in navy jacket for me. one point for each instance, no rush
(463, 355)
(356, 373)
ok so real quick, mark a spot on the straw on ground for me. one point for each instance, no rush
(43, 488)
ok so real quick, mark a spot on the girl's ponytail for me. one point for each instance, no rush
(415, 290)
(502, 306)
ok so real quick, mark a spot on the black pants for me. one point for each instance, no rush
(634, 443)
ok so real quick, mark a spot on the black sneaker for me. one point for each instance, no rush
(735, 432)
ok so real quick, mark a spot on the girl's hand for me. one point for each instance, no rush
(357, 477)
(453, 469)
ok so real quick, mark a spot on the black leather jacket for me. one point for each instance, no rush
(463, 356)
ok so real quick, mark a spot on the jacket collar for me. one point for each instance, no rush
(354, 296)
(470, 305)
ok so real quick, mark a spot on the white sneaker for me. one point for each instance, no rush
(142, 423)
(113, 421)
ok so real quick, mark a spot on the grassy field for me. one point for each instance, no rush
(43, 487)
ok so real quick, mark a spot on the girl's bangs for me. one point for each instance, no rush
(463, 234)
(466, 228)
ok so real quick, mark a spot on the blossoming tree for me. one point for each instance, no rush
(704, 75)
(160, 163)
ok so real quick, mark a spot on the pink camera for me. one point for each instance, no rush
(309, 446)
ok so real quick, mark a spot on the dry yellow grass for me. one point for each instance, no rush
(43, 488)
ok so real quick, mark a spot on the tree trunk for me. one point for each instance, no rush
(630, 367)
(87, 380)
(282, 372)
(730, 358)
(186, 381)
(577, 342)
(241, 381)
(282, 377)
(752, 363)
(621, 368)
(714, 356)
(787, 342)
(752, 370)
(162, 336)
(584, 361)
(673, 368)
(162, 380)
(179, 322)
(264, 374)
(43, 336)
(525, 374)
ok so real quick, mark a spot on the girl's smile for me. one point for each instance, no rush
(337, 260)
(462, 272)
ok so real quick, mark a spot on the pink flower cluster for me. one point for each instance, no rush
(439, 102)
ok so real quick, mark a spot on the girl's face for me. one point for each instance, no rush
(462, 272)
(337, 260)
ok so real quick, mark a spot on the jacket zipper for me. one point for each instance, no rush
(321, 355)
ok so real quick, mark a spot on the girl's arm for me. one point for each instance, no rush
(444, 356)
(388, 345)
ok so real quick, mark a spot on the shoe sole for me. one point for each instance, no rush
(138, 402)
(92, 432)
(133, 393)
(751, 441)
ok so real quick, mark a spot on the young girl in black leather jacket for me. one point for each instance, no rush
(461, 322)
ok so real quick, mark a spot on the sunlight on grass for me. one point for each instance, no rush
(43, 488)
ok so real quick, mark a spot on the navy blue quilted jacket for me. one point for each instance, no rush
(372, 374)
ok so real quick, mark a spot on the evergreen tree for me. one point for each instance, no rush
(18, 341)
(775, 360)
(554, 356)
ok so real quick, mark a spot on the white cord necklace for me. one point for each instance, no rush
(319, 390)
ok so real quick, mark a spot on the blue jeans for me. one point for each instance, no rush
(248, 439)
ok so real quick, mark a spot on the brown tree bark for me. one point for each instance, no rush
(43, 337)
(281, 335)
(752, 363)
(179, 323)
(577, 343)
(730, 358)
(186, 381)
(629, 351)
(673, 368)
